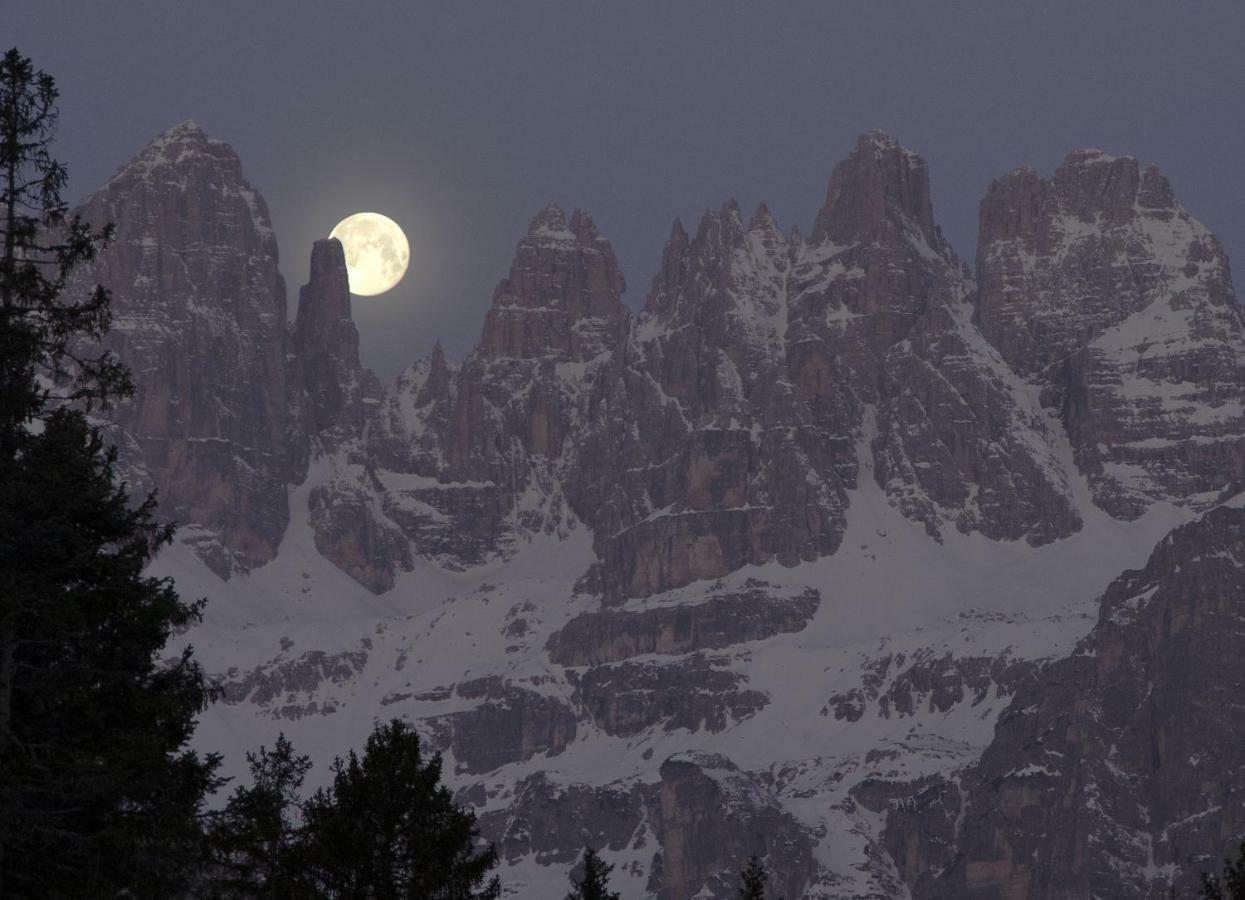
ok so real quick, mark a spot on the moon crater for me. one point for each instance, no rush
(377, 252)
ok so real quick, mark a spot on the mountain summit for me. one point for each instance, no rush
(774, 567)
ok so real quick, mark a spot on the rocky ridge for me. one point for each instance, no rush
(1115, 771)
(753, 570)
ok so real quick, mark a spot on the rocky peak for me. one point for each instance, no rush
(324, 301)
(437, 385)
(182, 146)
(878, 185)
(763, 220)
(1097, 284)
(1117, 770)
(702, 267)
(199, 315)
(1091, 183)
(1090, 186)
(326, 346)
(563, 296)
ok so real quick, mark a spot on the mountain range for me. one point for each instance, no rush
(915, 577)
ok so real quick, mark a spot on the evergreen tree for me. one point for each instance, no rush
(752, 880)
(40, 332)
(1232, 887)
(595, 884)
(255, 836)
(98, 795)
(388, 829)
(97, 792)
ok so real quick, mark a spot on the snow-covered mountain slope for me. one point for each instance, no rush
(895, 670)
(750, 570)
(1115, 772)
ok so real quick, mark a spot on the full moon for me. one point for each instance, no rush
(376, 252)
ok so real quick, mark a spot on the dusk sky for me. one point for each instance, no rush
(461, 120)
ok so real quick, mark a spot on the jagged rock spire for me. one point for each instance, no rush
(199, 315)
(326, 344)
(878, 183)
(563, 296)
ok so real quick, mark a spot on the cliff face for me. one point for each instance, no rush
(1117, 771)
(199, 316)
(1098, 286)
(753, 570)
(330, 387)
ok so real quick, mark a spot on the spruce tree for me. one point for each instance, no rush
(41, 333)
(98, 795)
(255, 837)
(752, 880)
(387, 829)
(1232, 887)
(595, 883)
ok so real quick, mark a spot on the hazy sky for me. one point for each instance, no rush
(460, 120)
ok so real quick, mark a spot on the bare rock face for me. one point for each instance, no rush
(725, 619)
(1098, 286)
(560, 299)
(331, 395)
(690, 694)
(772, 389)
(760, 361)
(471, 457)
(883, 319)
(199, 317)
(900, 685)
(510, 724)
(552, 821)
(710, 818)
(298, 686)
(1117, 772)
(329, 382)
(347, 530)
(922, 824)
(729, 475)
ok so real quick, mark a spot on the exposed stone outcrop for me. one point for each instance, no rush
(690, 694)
(510, 724)
(352, 533)
(903, 686)
(922, 823)
(560, 300)
(1097, 285)
(199, 317)
(710, 818)
(329, 382)
(775, 396)
(774, 354)
(721, 621)
(553, 821)
(1118, 771)
(470, 457)
(293, 687)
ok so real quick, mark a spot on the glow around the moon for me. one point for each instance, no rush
(377, 252)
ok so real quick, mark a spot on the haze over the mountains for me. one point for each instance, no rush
(460, 121)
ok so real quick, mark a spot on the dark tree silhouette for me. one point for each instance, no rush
(255, 837)
(40, 332)
(1232, 885)
(97, 790)
(752, 880)
(387, 829)
(595, 883)
(98, 795)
